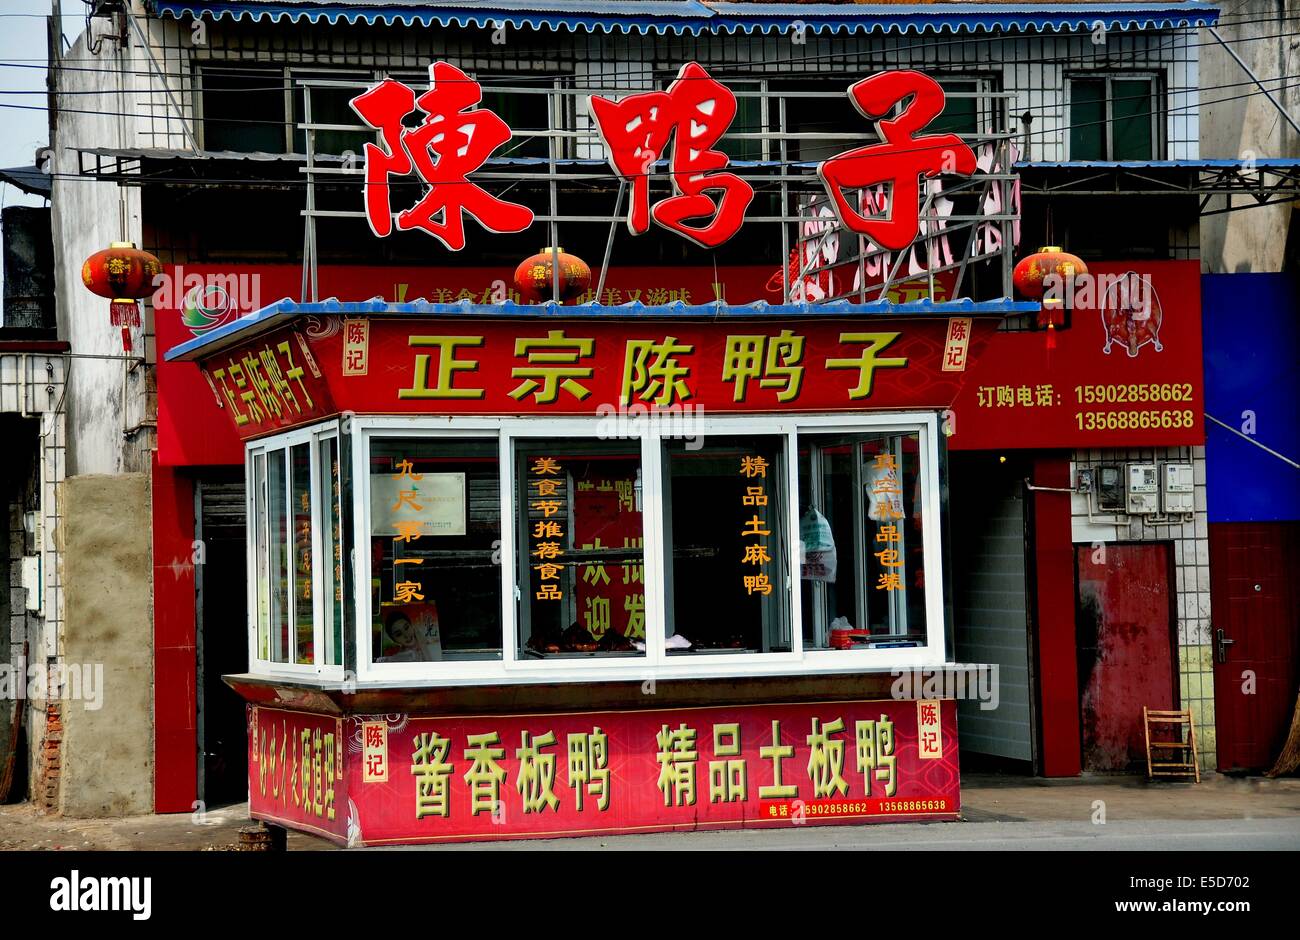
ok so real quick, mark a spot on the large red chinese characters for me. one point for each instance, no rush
(901, 159)
(636, 132)
(453, 139)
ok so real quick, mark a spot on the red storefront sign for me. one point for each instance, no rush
(454, 137)
(503, 777)
(604, 367)
(1127, 373)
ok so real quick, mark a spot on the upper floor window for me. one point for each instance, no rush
(1114, 117)
(243, 109)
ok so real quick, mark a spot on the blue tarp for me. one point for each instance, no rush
(693, 17)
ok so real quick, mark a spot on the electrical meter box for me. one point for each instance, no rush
(1143, 489)
(1177, 488)
(1109, 483)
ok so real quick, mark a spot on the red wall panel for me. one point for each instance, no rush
(1054, 609)
(175, 731)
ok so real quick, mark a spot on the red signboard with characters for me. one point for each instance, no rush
(296, 764)
(413, 779)
(199, 298)
(1127, 373)
(452, 366)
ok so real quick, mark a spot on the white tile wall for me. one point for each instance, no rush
(1027, 66)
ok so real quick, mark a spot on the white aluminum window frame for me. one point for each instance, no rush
(655, 664)
(322, 617)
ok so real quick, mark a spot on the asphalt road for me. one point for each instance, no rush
(1201, 835)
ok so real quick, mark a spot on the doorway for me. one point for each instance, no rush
(221, 637)
(1255, 639)
(1124, 621)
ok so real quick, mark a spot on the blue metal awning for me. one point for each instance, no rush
(695, 17)
(284, 311)
(1260, 162)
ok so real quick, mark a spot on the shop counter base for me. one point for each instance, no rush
(421, 775)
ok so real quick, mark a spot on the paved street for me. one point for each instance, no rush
(999, 813)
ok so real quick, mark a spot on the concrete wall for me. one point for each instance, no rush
(1260, 32)
(105, 397)
(107, 762)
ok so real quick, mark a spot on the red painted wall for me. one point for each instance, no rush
(175, 731)
(1058, 680)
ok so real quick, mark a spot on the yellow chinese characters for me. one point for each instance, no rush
(757, 580)
(547, 485)
(773, 360)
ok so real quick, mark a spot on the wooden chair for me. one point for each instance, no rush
(1175, 764)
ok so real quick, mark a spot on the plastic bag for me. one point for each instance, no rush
(817, 548)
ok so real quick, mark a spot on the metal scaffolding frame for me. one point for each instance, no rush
(799, 188)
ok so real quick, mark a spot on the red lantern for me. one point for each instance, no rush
(122, 273)
(533, 278)
(1031, 271)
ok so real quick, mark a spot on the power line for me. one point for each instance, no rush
(775, 164)
(1157, 109)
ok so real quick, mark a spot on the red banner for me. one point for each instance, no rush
(417, 779)
(197, 298)
(1127, 373)
(296, 764)
(447, 366)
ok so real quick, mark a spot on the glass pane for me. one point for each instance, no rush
(1088, 119)
(827, 541)
(278, 555)
(435, 537)
(861, 586)
(332, 550)
(521, 111)
(748, 120)
(304, 619)
(243, 110)
(579, 545)
(329, 105)
(261, 558)
(960, 115)
(1131, 110)
(726, 516)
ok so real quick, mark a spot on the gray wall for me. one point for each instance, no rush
(107, 767)
(1249, 239)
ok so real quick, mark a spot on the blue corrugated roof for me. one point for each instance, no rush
(695, 17)
(1264, 162)
(281, 312)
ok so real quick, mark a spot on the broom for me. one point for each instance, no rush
(1289, 759)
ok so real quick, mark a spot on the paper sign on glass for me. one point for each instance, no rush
(436, 501)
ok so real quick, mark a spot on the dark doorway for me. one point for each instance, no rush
(222, 637)
(1255, 603)
(1125, 627)
(986, 514)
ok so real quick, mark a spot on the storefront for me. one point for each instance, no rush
(524, 571)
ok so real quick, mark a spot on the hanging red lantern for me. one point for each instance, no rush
(123, 274)
(533, 277)
(1031, 271)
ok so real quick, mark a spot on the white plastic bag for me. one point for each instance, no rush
(817, 548)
